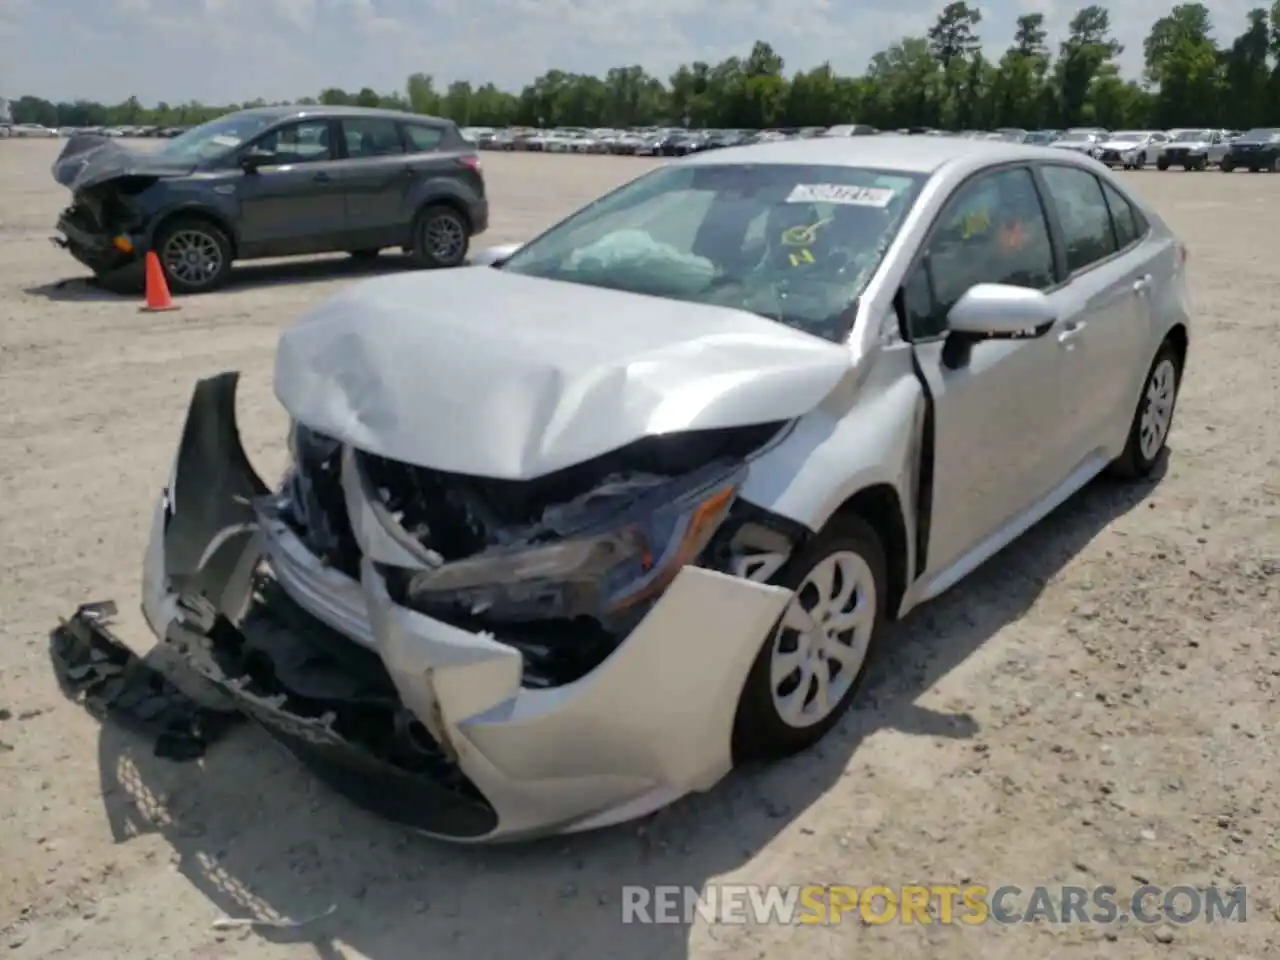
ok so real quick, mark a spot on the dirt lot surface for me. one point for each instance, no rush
(1096, 706)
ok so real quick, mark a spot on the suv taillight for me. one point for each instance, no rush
(471, 161)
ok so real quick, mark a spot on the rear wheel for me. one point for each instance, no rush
(808, 672)
(194, 253)
(1162, 164)
(1153, 418)
(441, 237)
(1226, 166)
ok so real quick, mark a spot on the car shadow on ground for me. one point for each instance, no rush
(249, 275)
(258, 837)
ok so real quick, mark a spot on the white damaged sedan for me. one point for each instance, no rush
(571, 533)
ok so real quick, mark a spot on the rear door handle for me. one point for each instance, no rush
(1140, 285)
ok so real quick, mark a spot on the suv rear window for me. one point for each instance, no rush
(371, 137)
(422, 138)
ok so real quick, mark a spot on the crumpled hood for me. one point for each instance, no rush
(478, 371)
(1122, 146)
(1077, 145)
(1187, 145)
(89, 159)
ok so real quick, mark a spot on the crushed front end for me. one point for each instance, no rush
(477, 659)
(102, 229)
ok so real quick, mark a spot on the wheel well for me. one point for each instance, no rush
(453, 203)
(1177, 338)
(879, 507)
(209, 218)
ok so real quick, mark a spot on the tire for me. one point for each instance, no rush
(441, 237)
(194, 253)
(760, 731)
(1226, 166)
(1140, 456)
(1275, 164)
(1162, 164)
(368, 254)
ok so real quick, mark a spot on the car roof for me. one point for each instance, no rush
(289, 111)
(909, 154)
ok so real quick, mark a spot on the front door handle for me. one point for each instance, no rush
(1142, 283)
(1072, 330)
(322, 177)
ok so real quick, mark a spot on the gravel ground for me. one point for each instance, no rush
(1095, 706)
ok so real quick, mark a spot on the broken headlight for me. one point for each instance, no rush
(605, 556)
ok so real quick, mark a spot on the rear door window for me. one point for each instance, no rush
(371, 137)
(1129, 227)
(1084, 214)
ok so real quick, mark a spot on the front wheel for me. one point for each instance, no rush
(1153, 419)
(195, 255)
(441, 237)
(1226, 166)
(1162, 164)
(808, 671)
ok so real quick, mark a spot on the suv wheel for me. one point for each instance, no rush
(194, 253)
(808, 671)
(441, 237)
(1153, 419)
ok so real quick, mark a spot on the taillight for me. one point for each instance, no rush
(471, 161)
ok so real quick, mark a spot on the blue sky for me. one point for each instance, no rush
(233, 50)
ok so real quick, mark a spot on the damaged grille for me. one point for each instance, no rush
(457, 517)
(315, 507)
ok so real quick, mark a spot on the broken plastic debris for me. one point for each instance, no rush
(97, 670)
(278, 923)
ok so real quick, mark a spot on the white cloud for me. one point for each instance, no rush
(223, 50)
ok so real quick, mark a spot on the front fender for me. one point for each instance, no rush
(845, 446)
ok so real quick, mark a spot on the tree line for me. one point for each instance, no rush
(941, 79)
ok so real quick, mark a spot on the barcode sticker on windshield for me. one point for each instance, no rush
(223, 140)
(840, 193)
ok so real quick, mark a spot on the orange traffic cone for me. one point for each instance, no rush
(158, 297)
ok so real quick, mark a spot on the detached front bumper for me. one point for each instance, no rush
(498, 760)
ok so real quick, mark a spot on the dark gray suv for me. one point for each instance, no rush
(272, 182)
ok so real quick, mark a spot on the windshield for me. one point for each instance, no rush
(1260, 133)
(793, 243)
(216, 137)
(1077, 137)
(1193, 136)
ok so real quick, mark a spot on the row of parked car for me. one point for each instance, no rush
(1189, 149)
(39, 131)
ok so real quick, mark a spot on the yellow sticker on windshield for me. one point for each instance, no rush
(803, 256)
(975, 223)
(802, 236)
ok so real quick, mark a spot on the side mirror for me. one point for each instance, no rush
(252, 159)
(494, 256)
(997, 311)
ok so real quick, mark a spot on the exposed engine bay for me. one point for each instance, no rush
(563, 566)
